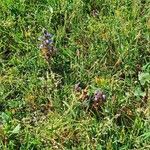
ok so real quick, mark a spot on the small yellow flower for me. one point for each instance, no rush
(27, 34)
(30, 99)
(101, 81)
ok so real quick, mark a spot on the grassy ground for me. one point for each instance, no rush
(103, 44)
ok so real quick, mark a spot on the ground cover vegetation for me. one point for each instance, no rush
(74, 74)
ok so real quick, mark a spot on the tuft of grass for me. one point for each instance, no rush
(103, 44)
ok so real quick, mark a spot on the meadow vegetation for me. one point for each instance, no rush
(103, 45)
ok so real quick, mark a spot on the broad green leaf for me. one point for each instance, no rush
(16, 129)
(144, 77)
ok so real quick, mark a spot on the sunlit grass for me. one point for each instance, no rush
(102, 44)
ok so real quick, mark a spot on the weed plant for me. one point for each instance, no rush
(102, 47)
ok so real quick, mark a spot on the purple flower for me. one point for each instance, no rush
(47, 35)
(99, 95)
(48, 41)
(46, 45)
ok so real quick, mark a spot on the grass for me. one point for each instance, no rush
(104, 44)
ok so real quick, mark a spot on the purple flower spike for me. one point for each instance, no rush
(46, 45)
